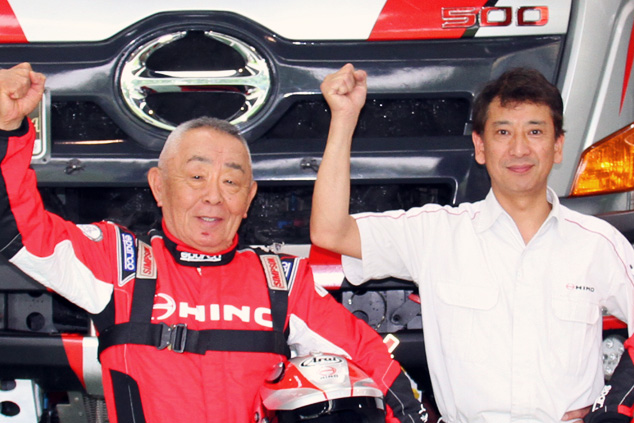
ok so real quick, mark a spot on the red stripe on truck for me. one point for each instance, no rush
(10, 29)
(432, 19)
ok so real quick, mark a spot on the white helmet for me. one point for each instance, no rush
(319, 388)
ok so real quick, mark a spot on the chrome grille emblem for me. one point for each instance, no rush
(138, 81)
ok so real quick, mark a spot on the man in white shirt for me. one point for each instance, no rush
(512, 287)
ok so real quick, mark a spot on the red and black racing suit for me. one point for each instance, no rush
(616, 402)
(95, 266)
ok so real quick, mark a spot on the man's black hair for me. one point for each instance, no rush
(519, 85)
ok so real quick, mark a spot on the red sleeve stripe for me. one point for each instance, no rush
(622, 409)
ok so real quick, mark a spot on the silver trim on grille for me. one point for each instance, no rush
(136, 78)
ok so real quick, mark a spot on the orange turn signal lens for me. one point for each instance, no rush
(607, 166)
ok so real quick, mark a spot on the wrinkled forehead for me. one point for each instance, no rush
(209, 146)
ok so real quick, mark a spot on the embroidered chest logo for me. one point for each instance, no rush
(199, 258)
(573, 287)
(212, 312)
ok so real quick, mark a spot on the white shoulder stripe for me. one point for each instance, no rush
(66, 275)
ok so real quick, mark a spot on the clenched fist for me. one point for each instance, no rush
(345, 91)
(20, 92)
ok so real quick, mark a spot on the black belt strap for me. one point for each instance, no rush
(180, 339)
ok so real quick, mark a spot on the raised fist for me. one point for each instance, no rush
(345, 90)
(20, 92)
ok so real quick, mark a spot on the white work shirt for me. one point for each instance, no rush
(512, 330)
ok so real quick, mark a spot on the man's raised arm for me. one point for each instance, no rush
(331, 225)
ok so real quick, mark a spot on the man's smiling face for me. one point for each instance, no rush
(205, 188)
(519, 147)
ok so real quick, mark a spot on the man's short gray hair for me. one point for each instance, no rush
(205, 122)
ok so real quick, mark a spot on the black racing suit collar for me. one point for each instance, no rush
(188, 256)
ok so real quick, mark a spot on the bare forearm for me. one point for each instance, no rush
(331, 224)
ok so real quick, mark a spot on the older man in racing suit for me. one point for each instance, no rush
(189, 325)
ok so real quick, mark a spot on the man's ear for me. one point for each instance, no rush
(155, 180)
(253, 189)
(559, 149)
(478, 144)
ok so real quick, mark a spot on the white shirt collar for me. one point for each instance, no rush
(492, 210)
